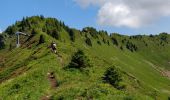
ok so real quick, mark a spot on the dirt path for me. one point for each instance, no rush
(59, 57)
(166, 73)
(53, 83)
(45, 98)
(52, 79)
(163, 72)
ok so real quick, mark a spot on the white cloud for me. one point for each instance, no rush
(0, 31)
(86, 3)
(128, 13)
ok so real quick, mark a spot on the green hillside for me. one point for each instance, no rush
(89, 64)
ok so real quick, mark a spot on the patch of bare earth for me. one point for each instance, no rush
(164, 72)
(52, 79)
(53, 83)
(45, 98)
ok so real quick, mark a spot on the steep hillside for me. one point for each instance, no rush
(33, 71)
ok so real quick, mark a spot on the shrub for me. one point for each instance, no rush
(88, 41)
(2, 43)
(115, 42)
(121, 47)
(71, 34)
(168, 98)
(163, 36)
(79, 60)
(55, 34)
(10, 47)
(42, 39)
(112, 76)
(104, 41)
(123, 41)
(151, 36)
(108, 42)
(128, 98)
(93, 32)
(14, 89)
(98, 42)
(11, 30)
(132, 47)
(34, 31)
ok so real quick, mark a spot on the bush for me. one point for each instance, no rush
(151, 36)
(93, 32)
(121, 47)
(132, 47)
(55, 34)
(163, 37)
(98, 42)
(104, 41)
(88, 41)
(114, 41)
(71, 34)
(10, 47)
(14, 89)
(168, 98)
(42, 39)
(34, 31)
(11, 30)
(79, 60)
(108, 42)
(2, 43)
(112, 76)
(128, 98)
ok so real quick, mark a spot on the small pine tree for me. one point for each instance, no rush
(72, 35)
(10, 47)
(42, 17)
(104, 41)
(108, 42)
(132, 47)
(168, 98)
(34, 31)
(93, 32)
(11, 30)
(98, 42)
(112, 76)
(121, 47)
(2, 43)
(42, 39)
(88, 41)
(115, 42)
(55, 34)
(151, 36)
(79, 60)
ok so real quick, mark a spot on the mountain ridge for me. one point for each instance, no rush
(143, 62)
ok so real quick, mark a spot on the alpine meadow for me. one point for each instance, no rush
(56, 62)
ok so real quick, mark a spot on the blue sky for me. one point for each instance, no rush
(74, 14)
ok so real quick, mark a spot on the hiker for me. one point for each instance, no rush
(51, 75)
(53, 47)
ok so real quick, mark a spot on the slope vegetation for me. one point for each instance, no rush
(33, 71)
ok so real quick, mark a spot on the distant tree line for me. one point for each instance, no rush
(93, 32)
(53, 27)
(132, 47)
(37, 24)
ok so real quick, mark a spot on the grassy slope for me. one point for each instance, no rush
(27, 75)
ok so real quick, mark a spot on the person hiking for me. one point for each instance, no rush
(53, 47)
